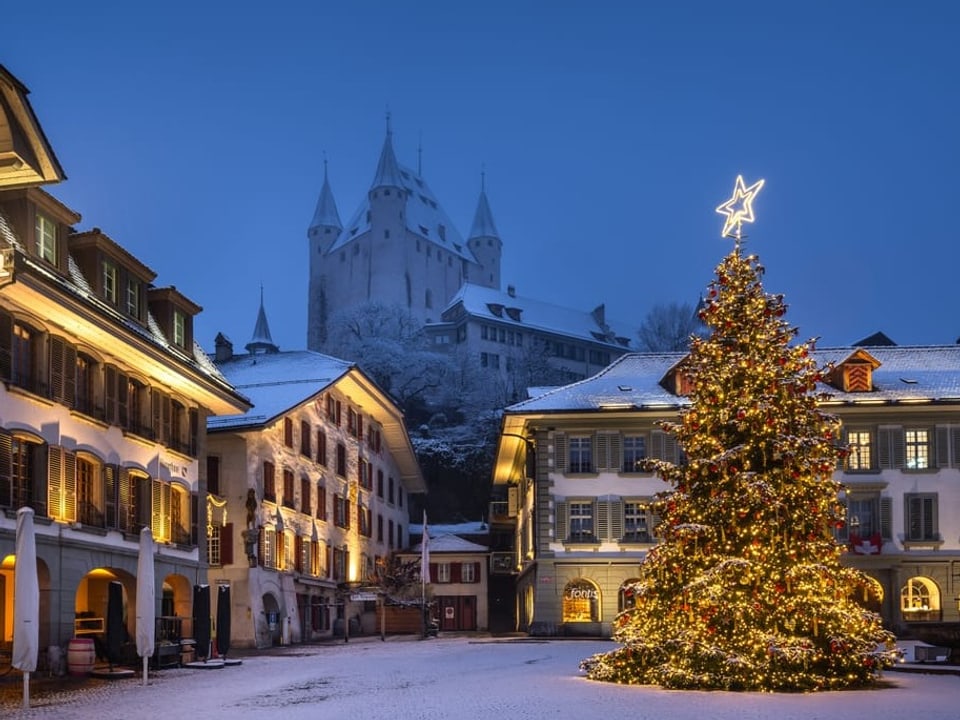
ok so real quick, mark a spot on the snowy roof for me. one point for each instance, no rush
(277, 382)
(451, 544)
(483, 225)
(326, 214)
(526, 313)
(261, 331)
(919, 373)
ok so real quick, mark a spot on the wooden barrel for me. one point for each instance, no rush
(80, 656)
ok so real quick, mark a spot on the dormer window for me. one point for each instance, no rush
(496, 309)
(133, 297)
(854, 373)
(46, 238)
(109, 281)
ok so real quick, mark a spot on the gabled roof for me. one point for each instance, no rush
(528, 314)
(26, 157)
(280, 382)
(451, 544)
(326, 214)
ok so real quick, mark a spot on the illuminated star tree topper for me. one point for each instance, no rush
(739, 208)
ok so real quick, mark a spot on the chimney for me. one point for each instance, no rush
(511, 291)
(223, 348)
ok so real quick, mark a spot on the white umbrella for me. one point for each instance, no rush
(146, 600)
(26, 601)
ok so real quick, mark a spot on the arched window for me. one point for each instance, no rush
(581, 601)
(90, 491)
(920, 600)
(626, 597)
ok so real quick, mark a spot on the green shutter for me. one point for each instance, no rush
(616, 519)
(603, 519)
(601, 450)
(942, 446)
(562, 513)
(886, 518)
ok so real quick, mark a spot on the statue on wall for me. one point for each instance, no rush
(251, 507)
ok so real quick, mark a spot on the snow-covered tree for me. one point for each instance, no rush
(746, 591)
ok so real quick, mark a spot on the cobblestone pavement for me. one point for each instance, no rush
(445, 678)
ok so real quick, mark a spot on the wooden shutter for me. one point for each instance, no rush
(476, 572)
(127, 504)
(601, 451)
(562, 521)
(560, 457)
(110, 393)
(226, 544)
(455, 572)
(886, 518)
(123, 392)
(110, 492)
(615, 461)
(663, 446)
(955, 446)
(616, 519)
(6, 467)
(6, 345)
(39, 481)
(195, 522)
(890, 448)
(156, 510)
(156, 412)
(603, 519)
(298, 553)
(261, 547)
(69, 487)
(57, 371)
(55, 481)
(942, 446)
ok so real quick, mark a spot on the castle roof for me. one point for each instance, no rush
(483, 225)
(326, 214)
(526, 313)
(261, 340)
(388, 170)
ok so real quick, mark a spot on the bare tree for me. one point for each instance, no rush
(668, 327)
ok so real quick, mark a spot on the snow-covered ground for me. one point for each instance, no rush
(459, 678)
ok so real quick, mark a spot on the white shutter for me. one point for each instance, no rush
(603, 519)
(560, 452)
(561, 522)
(601, 448)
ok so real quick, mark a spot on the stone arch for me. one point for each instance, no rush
(920, 599)
(581, 601)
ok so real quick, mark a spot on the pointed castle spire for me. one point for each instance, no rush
(261, 342)
(483, 225)
(326, 215)
(388, 169)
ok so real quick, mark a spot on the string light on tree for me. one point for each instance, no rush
(746, 591)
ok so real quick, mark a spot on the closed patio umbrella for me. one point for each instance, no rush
(201, 620)
(115, 630)
(146, 600)
(26, 601)
(223, 620)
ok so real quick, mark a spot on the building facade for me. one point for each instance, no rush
(313, 490)
(103, 404)
(578, 498)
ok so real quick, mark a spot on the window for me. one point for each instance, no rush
(581, 601)
(213, 474)
(860, 445)
(288, 432)
(21, 490)
(351, 422)
(321, 501)
(390, 533)
(89, 493)
(341, 460)
(921, 520)
(364, 521)
(920, 600)
(83, 400)
(379, 528)
(109, 280)
(581, 455)
(468, 573)
(269, 482)
(581, 522)
(46, 238)
(305, 439)
(443, 572)
(917, 448)
(179, 329)
(390, 490)
(288, 488)
(306, 506)
(636, 522)
(133, 297)
(213, 546)
(634, 453)
(379, 483)
(321, 448)
(341, 510)
(23, 358)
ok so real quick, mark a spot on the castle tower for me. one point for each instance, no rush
(484, 242)
(324, 230)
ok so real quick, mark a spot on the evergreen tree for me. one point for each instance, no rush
(746, 591)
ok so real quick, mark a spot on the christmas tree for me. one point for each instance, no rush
(745, 590)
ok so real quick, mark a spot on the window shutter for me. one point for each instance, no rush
(156, 400)
(601, 450)
(156, 510)
(456, 574)
(603, 519)
(298, 553)
(886, 518)
(69, 488)
(122, 391)
(110, 393)
(195, 525)
(6, 345)
(656, 444)
(955, 445)
(55, 481)
(6, 466)
(262, 547)
(890, 448)
(226, 544)
(109, 475)
(942, 449)
(126, 506)
(616, 519)
(615, 463)
(56, 368)
(562, 521)
(39, 481)
(69, 375)
(329, 567)
(560, 452)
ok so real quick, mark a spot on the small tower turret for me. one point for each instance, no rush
(484, 241)
(261, 342)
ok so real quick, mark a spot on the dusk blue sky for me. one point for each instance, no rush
(194, 135)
